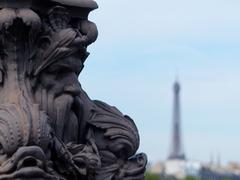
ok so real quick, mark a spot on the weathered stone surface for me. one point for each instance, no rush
(49, 127)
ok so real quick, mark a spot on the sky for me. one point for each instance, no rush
(143, 46)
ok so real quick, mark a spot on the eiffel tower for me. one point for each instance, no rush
(176, 146)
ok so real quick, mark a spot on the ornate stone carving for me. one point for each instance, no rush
(49, 127)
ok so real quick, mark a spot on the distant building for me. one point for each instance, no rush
(214, 172)
(182, 168)
(158, 168)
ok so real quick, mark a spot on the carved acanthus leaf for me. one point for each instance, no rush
(118, 128)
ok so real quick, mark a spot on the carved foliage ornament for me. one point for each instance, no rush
(49, 127)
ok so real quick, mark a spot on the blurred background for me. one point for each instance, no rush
(143, 48)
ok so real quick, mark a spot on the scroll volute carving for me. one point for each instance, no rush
(49, 127)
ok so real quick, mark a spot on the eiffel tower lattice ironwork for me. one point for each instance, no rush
(177, 151)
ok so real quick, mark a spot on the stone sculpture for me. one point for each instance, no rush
(49, 127)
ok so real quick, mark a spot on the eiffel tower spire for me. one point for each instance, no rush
(176, 147)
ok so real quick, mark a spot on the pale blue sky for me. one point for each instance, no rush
(142, 45)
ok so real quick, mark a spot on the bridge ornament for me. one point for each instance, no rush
(49, 127)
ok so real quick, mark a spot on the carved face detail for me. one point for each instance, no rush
(59, 90)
